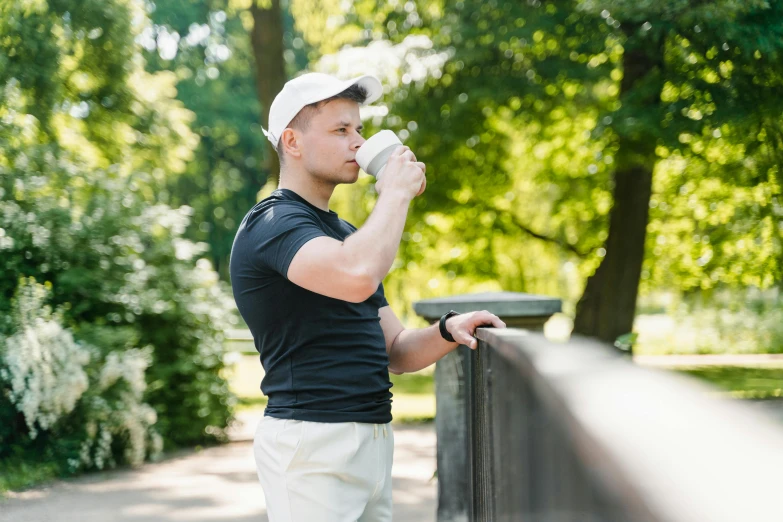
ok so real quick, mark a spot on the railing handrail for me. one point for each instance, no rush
(664, 448)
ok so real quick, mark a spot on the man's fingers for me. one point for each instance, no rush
(403, 151)
(423, 187)
(497, 323)
(468, 340)
(485, 318)
(466, 331)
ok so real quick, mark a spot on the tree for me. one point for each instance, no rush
(267, 43)
(647, 81)
(230, 59)
(205, 44)
(673, 46)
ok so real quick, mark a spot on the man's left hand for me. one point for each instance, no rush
(462, 327)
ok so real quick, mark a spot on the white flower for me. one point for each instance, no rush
(45, 367)
(46, 371)
(130, 366)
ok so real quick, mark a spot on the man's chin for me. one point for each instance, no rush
(346, 176)
(352, 175)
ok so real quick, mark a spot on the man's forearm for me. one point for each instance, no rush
(415, 349)
(375, 244)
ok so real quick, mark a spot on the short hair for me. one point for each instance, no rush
(302, 120)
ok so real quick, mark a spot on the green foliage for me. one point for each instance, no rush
(526, 121)
(70, 75)
(21, 473)
(521, 129)
(626, 342)
(206, 45)
(146, 286)
(87, 141)
(718, 322)
(79, 405)
(414, 397)
(88, 48)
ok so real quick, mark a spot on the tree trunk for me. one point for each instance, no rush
(607, 307)
(266, 39)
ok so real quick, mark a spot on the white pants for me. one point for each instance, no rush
(325, 472)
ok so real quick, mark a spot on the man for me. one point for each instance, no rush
(308, 284)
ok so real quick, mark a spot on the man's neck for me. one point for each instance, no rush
(315, 192)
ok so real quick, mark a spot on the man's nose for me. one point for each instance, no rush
(359, 142)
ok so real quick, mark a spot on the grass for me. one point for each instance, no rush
(413, 401)
(414, 397)
(16, 474)
(410, 408)
(742, 382)
(419, 383)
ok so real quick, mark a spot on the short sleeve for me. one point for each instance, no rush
(379, 297)
(280, 233)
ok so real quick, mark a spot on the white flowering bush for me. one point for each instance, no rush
(43, 365)
(115, 415)
(86, 406)
(131, 361)
(127, 362)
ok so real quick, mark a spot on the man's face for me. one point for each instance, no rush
(330, 143)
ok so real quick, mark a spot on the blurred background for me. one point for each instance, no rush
(622, 156)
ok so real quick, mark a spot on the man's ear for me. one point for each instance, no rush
(291, 143)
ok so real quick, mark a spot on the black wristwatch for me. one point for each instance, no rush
(443, 332)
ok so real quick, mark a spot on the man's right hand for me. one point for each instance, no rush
(403, 174)
(352, 269)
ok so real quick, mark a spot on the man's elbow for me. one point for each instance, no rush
(363, 286)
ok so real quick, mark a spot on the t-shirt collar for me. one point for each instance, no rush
(289, 194)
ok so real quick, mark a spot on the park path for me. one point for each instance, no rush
(211, 485)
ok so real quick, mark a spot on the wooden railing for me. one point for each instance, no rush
(576, 433)
(535, 431)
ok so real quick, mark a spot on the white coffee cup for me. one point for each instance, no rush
(374, 153)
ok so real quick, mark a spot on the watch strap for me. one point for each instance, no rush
(443, 331)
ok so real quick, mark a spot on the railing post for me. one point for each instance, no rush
(453, 374)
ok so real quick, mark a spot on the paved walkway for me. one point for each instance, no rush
(215, 484)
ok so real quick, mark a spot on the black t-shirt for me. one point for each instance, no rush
(325, 359)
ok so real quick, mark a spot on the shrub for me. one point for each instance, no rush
(71, 395)
(136, 339)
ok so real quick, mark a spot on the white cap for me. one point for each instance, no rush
(311, 88)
